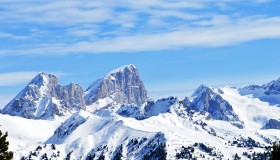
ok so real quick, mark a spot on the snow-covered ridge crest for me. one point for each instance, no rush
(269, 92)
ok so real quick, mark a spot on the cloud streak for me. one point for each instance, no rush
(232, 32)
(132, 26)
(15, 78)
(12, 36)
(79, 12)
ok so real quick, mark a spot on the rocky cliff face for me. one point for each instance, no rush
(273, 87)
(272, 124)
(204, 99)
(44, 98)
(122, 85)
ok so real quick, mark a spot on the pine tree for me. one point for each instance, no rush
(275, 153)
(236, 157)
(4, 146)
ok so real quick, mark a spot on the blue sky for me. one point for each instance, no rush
(176, 45)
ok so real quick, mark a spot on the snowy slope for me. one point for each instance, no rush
(254, 112)
(85, 134)
(94, 136)
(153, 108)
(25, 132)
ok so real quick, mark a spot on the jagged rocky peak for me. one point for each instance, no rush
(273, 87)
(272, 124)
(44, 98)
(269, 92)
(43, 79)
(205, 99)
(73, 95)
(203, 89)
(122, 85)
(127, 68)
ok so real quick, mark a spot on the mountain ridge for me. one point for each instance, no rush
(211, 123)
(269, 92)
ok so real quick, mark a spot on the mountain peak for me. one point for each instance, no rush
(202, 89)
(130, 68)
(42, 79)
(269, 92)
(45, 75)
(44, 98)
(123, 85)
(205, 99)
(272, 83)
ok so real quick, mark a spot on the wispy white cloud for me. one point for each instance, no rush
(76, 12)
(12, 36)
(134, 26)
(15, 78)
(81, 32)
(230, 32)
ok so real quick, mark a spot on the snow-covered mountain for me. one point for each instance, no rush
(119, 121)
(269, 92)
(153, 108)
(205, 99)
(272, 124)
(44, 98)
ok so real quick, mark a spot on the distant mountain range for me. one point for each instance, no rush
(115, 119)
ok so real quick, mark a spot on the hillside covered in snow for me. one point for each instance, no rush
(115, 119)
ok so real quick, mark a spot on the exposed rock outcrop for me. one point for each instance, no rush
(272, 124)
(204, 99)
(122, 85)
(269, 92)
(44, 98)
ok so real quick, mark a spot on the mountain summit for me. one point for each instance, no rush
(44, 79)
(269, 92)
(44, 98)
(122, 85)
(205, 99)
